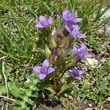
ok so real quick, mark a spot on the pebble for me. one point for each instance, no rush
(89, 109)
(93, 62)
(104, 17)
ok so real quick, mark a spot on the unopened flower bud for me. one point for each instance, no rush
(47, 51)
(61, 53)
(53, 44)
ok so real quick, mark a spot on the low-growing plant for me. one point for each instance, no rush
(23, 46)
(58, 54)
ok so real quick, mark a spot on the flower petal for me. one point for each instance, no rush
(71, 74)
(82, 58)
(74, 48)
(88, 56)
(45, 63)
(82, 45)
(77, 20)
(42, 19)
(80, 72)
(37, 69)
(75, 68)
(56, 57)
(75, 29)
(78, 78)
(67, 51)
(69, 22)
(81, 35)
(59, 14)
(39, 26)
(66, 13)
(50, 20)
(50, 70)
(68, 28)
(42, 76)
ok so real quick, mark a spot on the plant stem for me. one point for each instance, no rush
(62, 74)
(54, 80)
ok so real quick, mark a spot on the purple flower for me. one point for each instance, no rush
(67, 51)
(74, 31)
(44, 22)
(81, 51)
(56, 56)
(68, 17)
(43, 70)
(75, 73)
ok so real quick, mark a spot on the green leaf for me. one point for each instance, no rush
(49, 88)
(27, 100)
(65, 87)
(23, 106)
(2, 89)
(14, 89)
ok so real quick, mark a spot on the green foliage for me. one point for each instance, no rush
(65, 87)
(22, 51)
(24, 92)
(2, 89)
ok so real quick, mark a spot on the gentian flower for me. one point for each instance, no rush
(75, 73)
(56, 56)
(74, 31)
(43, 70)
(67, 51)
(44, 22)
(68, 17)
(81, 51)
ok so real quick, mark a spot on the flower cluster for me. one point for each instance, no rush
(69, 20)
(59, 46)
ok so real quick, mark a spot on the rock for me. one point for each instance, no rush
(89, 109)
(93, 62)
(104, 17)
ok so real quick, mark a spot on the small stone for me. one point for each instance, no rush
(93, 62)
(90, 105)
(89, 109)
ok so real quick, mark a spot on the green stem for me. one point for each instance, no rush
(62, 74)
(54, 80)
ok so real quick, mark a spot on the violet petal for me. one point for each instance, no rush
(77, 20)
(50, 70)
(42, 19)
(50, 20)
(80, 72)
(67, 51)
(88, 56)
(45, 63)
(59, 14)
(37, 69)
(81, 35)
(68, 28)
(42, 76)
(78, 78)
(71, 74)
(39, 26)
(65, 14)
(74, 48)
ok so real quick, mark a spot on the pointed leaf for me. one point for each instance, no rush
(65, 87)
